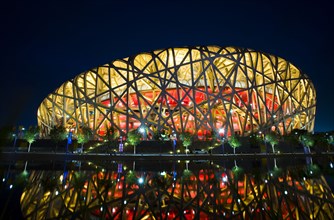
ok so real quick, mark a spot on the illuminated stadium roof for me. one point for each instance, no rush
(200, 90)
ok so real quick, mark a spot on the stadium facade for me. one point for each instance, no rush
(201, 90)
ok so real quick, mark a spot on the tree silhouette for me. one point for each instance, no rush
(234, 143)
(134, 138)
(330, 140)
(30, 135)
(272, 139)
(111, 137)
(58, 134)
(186, 139)
(7, 134)
(84, 135)
(307, 141)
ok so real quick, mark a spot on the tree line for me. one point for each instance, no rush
(322, 141)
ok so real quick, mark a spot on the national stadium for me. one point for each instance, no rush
(201, 90)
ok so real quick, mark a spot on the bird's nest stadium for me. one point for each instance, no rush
(200, 90)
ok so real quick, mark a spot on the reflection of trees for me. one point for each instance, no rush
(207, 193)
(48, 182)
(307, 141)
(234, 143)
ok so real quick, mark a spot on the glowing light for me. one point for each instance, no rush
(10, 186)
(141, 130)
(141, 180)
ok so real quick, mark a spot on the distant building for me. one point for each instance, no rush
(201, 90)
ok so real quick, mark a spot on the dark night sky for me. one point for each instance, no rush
(45, 43)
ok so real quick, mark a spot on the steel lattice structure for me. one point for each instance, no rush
(191, 89)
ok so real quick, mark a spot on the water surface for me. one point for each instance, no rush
(283, 188)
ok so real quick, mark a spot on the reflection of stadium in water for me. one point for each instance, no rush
(212, 192)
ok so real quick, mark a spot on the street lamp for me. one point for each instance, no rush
(141, 180)
(142, 130)
(15, 138)
(221, 133)
(120, 147)
(69, 141)
(173, 138)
